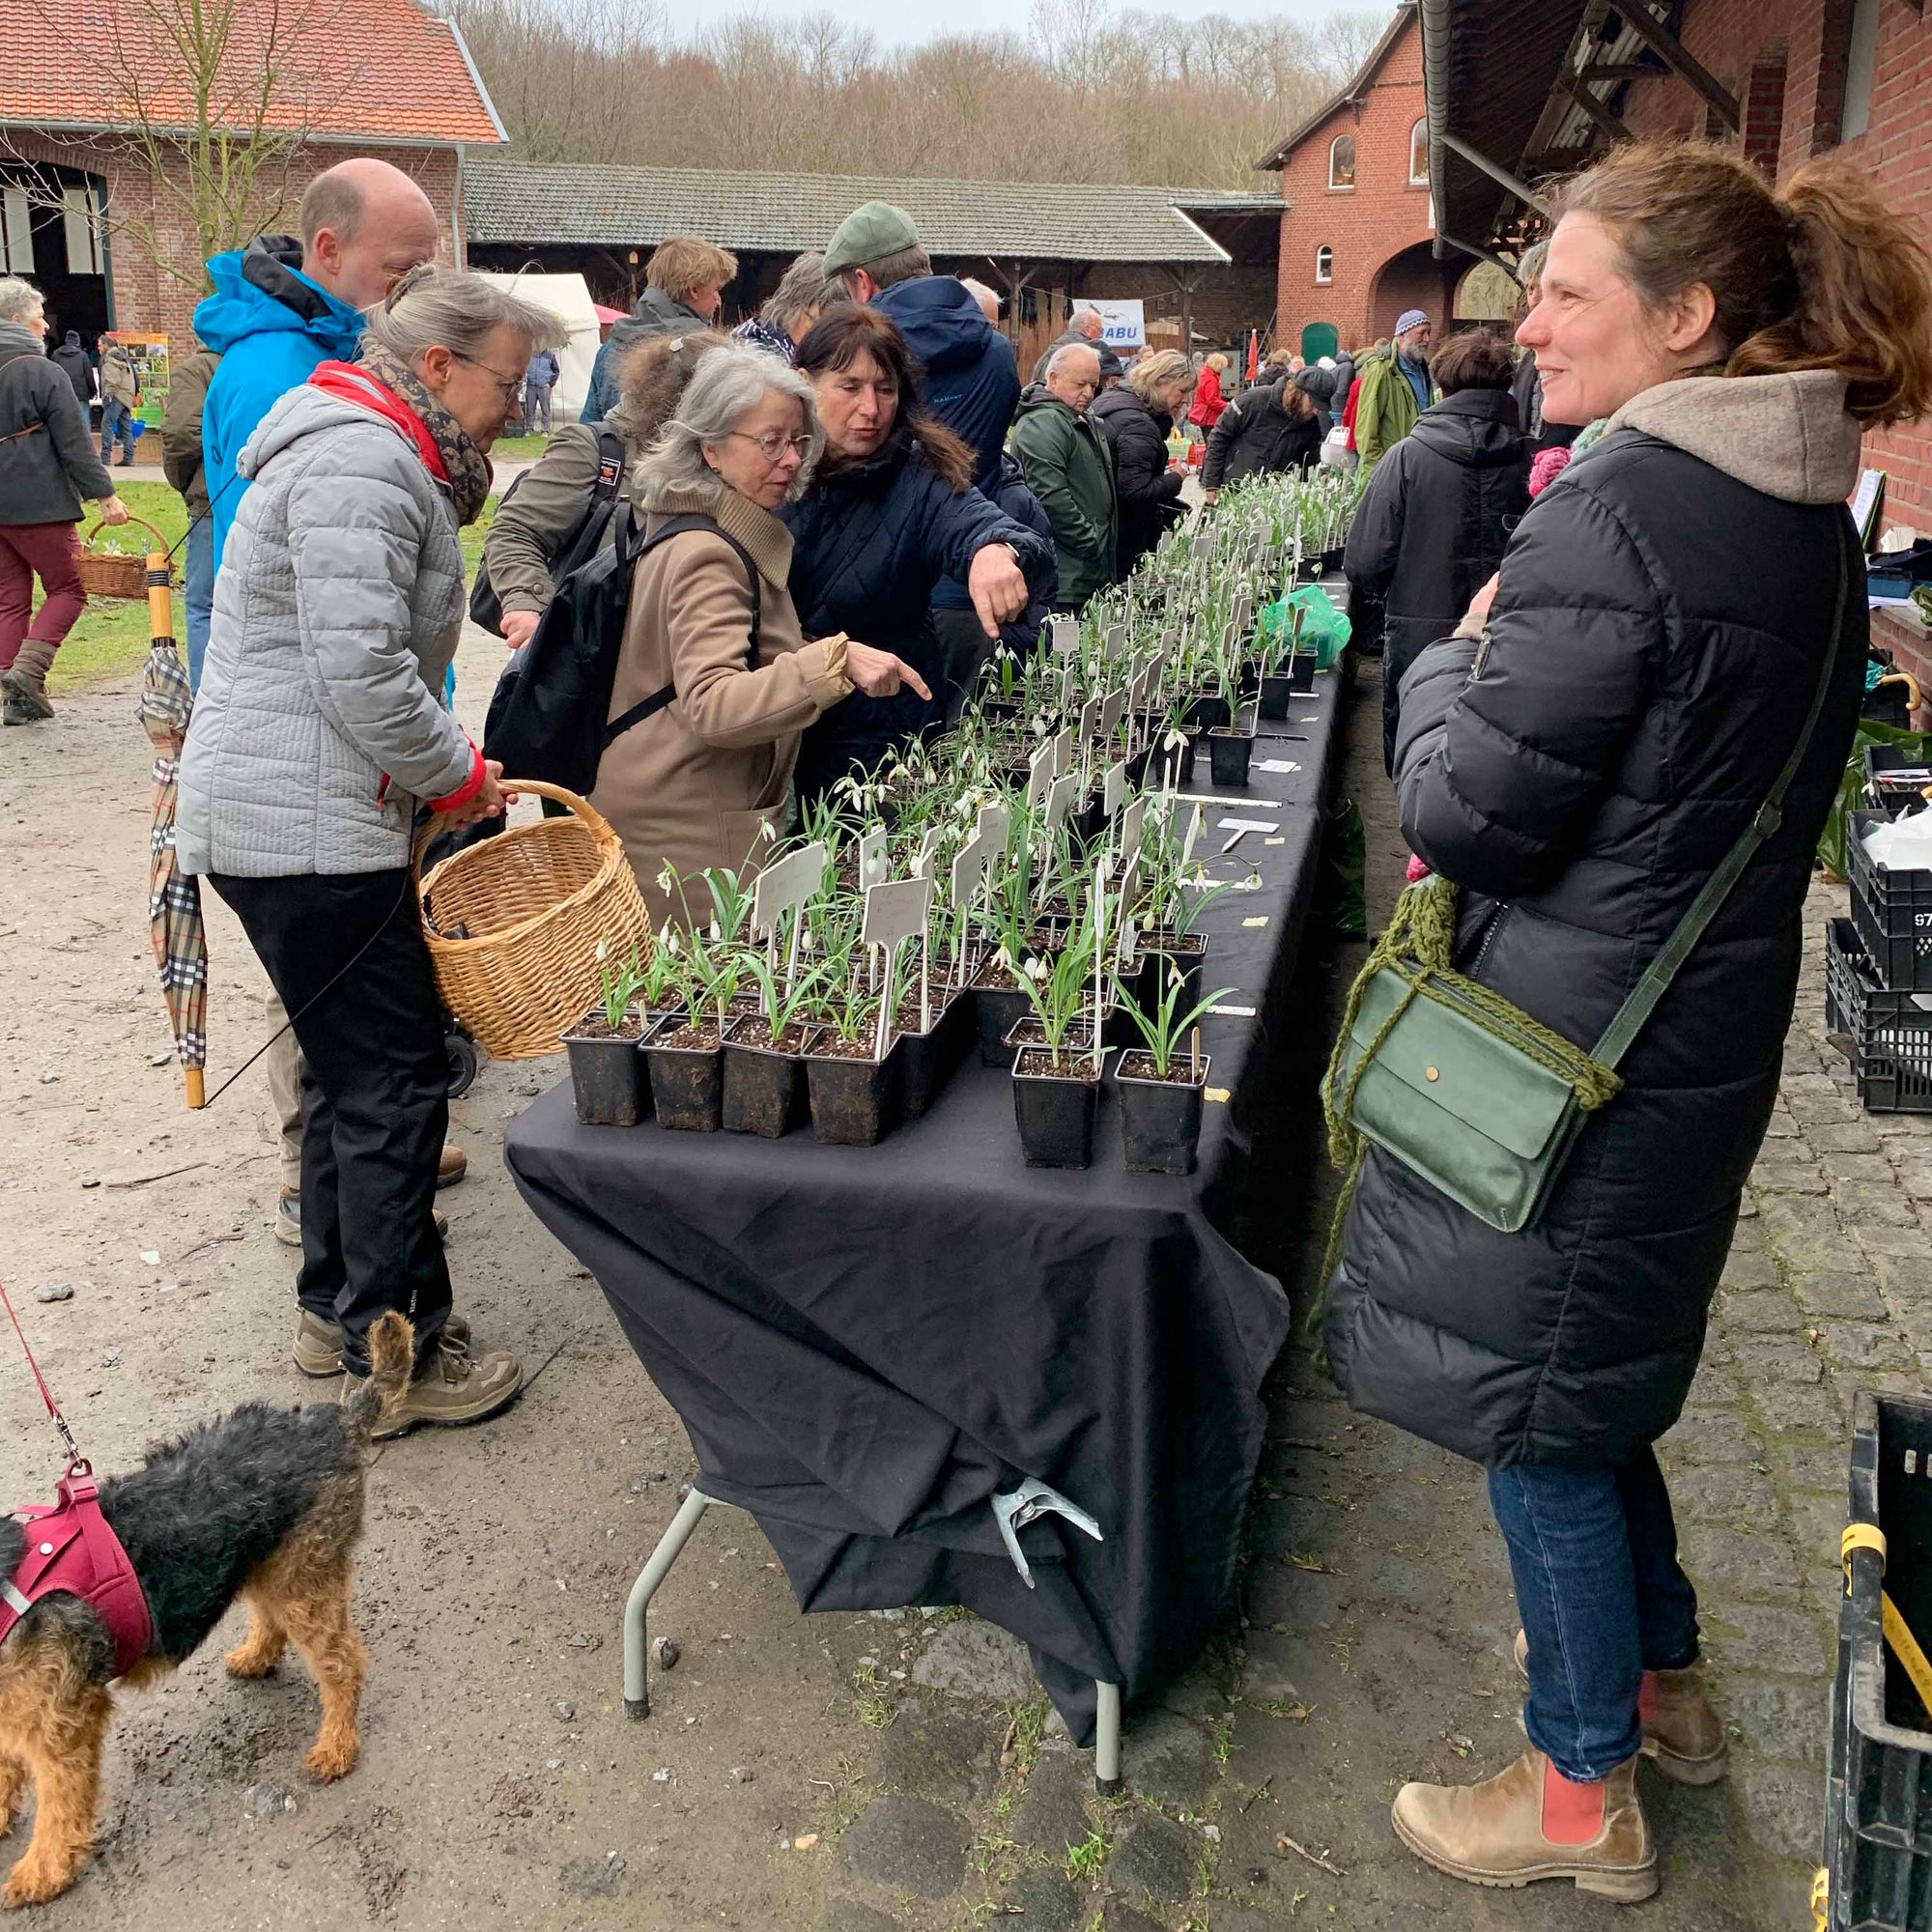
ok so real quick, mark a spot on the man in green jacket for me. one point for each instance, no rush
(1395, 390)
(1068, 468)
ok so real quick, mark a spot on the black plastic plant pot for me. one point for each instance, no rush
(1026, 1033)
(687, 1082)
(1160, 956)
(764, 1088)
(998, 1008)
(1173, 765)
(926, 1060)
(607, 1075)
(1301, 671)
(1160, 1120)
(999, 708)
(853, 1101)
(1274, 695)
(1331, 560)
(1054, 1111)
(1206, 714)
(1229, 752)
(1308, 568)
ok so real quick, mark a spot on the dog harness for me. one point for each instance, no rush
(71, 1547)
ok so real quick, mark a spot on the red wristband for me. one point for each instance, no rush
(467, 789)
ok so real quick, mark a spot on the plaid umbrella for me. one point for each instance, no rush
(173, 901)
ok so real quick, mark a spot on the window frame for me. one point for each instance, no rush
(1857, 82)
(1342, 186)
(1418, 138)
(1324, 272)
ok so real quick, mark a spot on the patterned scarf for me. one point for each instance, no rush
(468, 467)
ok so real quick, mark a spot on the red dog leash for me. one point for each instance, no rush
(72, 1547)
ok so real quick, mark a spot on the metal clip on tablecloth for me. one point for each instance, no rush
(1028, 1503)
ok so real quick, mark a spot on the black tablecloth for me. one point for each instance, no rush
(864, 1345)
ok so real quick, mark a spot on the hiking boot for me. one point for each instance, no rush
(1530, 1822)
(26, 696)
(319, 1343)
(1682, 1735)
(452, 1166)
(452, 1387)
(289, 1222)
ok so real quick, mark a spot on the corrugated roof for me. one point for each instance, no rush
(523, 203)
(354, 70)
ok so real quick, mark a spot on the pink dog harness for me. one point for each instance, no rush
(70, 1548)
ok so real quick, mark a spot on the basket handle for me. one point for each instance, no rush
(535, 787)
(161, 543)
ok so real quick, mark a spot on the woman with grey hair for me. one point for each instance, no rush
(319, 743)
(1136, 419)
(714, 680)
(790, 309)
(48, 470)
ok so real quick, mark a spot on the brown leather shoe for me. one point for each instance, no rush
(319, 1343)
(451, 1387)
(26, 695)
(452, 1165)
(1682, 1735)
(1493, 1833)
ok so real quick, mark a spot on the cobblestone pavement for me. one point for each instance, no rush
(1376, 1615)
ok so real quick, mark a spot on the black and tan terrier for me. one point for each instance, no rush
(265, 1505)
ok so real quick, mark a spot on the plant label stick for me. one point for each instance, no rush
(1058, 802)
(874, 864)
(1090, 720)
(785, 885)
(1099, 955)
(1114, 788)
(1201, 547)
(1194, 825)
(1113, 707)
(896, 910)
(1040, 777)
(994, 829)
(1115, 641)
(1066, 634)
(1067, 688)
(1063, 752)
(968, 863)
(1130, 826)
(928, 847)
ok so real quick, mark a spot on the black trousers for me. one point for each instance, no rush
(964, 649)
(374, 1093)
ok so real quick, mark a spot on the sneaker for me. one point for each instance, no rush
(451, 1387)
(26, 698)
(1682, 1735)
(289, 1221)
(453, 1165)
(1530, 1822)
(319, 1343)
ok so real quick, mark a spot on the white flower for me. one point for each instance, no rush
(768, 832)
(1037, 971)
(716, 932)
(667, 877)
(603, 950)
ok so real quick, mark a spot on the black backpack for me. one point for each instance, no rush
(548, 715)
(484, 607)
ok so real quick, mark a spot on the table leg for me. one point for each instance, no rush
(637, 1680)
(1107, 1739)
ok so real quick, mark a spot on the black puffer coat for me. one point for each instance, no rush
(1147, 490)
(1432, 525)
(1260, 433)
(1650, 655)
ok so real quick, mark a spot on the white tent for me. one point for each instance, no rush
(570, 297)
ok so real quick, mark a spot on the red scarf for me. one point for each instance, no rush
(349, 383)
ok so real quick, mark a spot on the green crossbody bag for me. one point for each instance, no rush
(1466, 1088)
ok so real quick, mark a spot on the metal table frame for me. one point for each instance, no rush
(670, 1546)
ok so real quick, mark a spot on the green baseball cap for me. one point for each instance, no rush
(869, 234)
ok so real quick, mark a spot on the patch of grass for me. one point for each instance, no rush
(872, 1707)
(111, 636)
(1085, 1859)
(1284, 1707)
(1221, 1741)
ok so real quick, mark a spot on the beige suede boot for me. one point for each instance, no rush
(1498, 1833)
(1682, 1736)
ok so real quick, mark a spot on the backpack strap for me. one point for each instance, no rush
(589, 533)
(674, 526)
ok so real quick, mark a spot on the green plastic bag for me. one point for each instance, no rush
(1324, 630)
(1831, 854)
(1340, 905)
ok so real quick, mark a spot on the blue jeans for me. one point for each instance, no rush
(198, 584)
(1603, 1599)
(119, 422)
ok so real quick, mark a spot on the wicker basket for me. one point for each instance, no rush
(108, 573)
(513, 923)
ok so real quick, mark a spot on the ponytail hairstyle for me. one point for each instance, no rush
(1815, 275)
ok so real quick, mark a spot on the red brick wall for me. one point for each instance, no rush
(1367, 225)
(149, 298)
(1743, 42)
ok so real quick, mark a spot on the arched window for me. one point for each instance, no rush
(1418, 155)
(1324, 263)
(1342, 161)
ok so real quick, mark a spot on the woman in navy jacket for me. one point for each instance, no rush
(891, 509)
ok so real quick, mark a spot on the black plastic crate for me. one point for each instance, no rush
(1888, 1034)
(1877, 1794)
(1892, 912)
(1884, 790)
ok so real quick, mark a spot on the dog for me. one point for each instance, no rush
(266, 1505)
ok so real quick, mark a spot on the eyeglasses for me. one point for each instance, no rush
(772, 445)
(512, 387)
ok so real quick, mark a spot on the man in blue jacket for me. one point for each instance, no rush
(282, 307)
(972, 381)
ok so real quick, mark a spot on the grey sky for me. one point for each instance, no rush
(896, 23)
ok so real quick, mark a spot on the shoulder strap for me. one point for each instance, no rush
(1656, 983)
(672, 527)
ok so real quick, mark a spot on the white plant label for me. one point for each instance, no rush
(782, 887)
(1114, 788)
(1066, 634)
(1089, 720)
(1063, 752)
(968, 864)
(995, 826)
(1193, 837)
(921, 866)
(1039, 775)
(1116, 641)
(1058, 801)
(1066, 690)
(1112, 708)
(1130, 826)
(896, 910)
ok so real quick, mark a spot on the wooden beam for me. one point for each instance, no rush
(1669, 48)
(1598, 112)
(1625, 71)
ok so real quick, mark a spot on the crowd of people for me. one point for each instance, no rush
(1620, 608)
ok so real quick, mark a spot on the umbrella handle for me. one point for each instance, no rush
(197, 1088)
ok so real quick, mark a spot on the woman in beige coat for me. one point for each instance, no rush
(698, 781)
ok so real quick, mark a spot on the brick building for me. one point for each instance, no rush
(1518, 90)
(86, 104)
(1357, 233)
